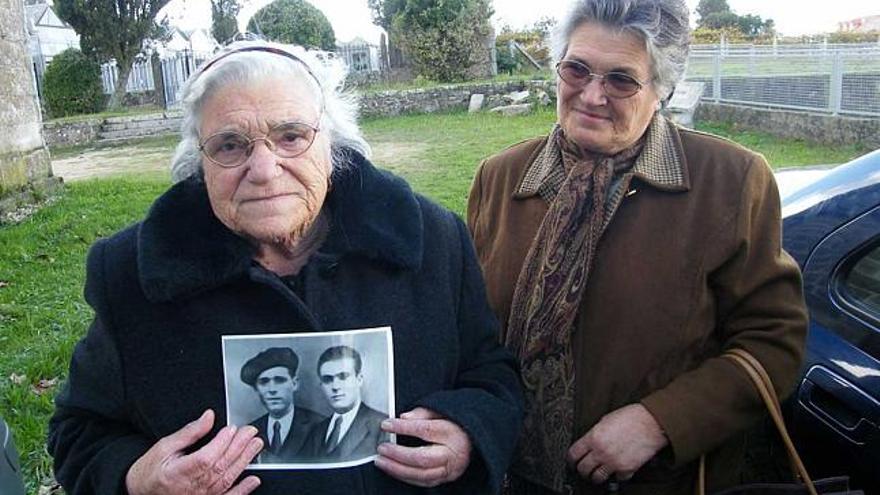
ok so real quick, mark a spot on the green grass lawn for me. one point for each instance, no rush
(42, 313)
(438, 155)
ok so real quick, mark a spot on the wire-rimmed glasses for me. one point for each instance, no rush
(615, 84)
(230, 149)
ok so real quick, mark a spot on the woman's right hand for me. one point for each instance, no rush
(213, 469)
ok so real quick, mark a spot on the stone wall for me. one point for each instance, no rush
(25, 169)
(831, 130)
(71, 133)
(824, 129)
(438, 98)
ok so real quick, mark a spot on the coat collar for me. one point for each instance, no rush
(661, 164)
(183, 249)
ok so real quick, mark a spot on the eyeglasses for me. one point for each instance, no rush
(230, 149)
(615, 84)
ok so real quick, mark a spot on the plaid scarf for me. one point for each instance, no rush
(549, 292)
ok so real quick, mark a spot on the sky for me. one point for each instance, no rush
(352, 18)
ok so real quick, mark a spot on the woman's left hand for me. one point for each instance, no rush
(620, 443)
(445, 459)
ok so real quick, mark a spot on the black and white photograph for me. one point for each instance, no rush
(316, 399)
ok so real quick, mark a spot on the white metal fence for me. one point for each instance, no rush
(826, 78)
(175, 69)
(835, 79)
(140, 79)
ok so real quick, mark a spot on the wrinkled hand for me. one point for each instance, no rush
(444, 460)
(212, 469)
(620, 443)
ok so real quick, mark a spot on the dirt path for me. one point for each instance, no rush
(119, 160)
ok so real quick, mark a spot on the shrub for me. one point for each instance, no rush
(443, 39)
(72, 85)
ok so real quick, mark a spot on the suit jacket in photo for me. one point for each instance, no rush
(360, 441)
(292, 449)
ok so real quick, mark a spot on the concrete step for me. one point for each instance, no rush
(140, 126)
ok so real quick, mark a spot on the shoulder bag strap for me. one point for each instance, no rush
(761, 380)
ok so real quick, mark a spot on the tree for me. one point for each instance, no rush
(294, 21)
(719, 20)
(715, 15)
(443, 38)
(223, 23)
(384, 12)
(544, 26)
(113, 30)
(707, 8)
(754, 26)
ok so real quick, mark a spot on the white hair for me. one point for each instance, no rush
(250, 62)
(662, 24)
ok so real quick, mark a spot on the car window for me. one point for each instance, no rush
(862, 282)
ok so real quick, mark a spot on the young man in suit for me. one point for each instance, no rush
(285, 426)
(353, 431)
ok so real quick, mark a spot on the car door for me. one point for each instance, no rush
(837, 405)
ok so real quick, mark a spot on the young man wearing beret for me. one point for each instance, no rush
(285, 426)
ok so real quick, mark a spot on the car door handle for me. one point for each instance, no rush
(838, 404)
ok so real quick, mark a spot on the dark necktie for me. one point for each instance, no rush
(334, 434)
(275, 445)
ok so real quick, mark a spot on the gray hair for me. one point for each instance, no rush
(662, 24)
(325, 75)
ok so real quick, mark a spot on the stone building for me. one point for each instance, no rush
(25, 170)
(49, 35)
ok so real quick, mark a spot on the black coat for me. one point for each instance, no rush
(165, 290)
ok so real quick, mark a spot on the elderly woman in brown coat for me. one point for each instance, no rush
(624, 254)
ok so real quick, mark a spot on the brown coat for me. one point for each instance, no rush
(683, 271)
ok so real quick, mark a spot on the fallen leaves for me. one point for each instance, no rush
(44, 385)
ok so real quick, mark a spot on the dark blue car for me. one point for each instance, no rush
(832, 228)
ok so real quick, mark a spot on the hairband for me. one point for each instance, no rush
(258, 48)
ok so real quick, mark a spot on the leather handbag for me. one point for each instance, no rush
(803, 484)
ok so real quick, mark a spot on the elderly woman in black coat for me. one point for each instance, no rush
(278, 223)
